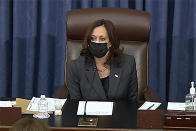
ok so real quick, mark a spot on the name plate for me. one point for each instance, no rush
(9, 115)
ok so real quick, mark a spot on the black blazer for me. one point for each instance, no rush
(84, 82)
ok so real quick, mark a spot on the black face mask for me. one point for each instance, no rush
(98, 49)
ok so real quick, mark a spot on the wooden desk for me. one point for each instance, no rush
(124, 118)
(6, 128)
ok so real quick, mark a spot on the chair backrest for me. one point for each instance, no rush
(132, 26)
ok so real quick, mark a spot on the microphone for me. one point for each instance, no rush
(85, 118)
(85, 108)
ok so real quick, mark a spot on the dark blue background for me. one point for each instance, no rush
(32, 44)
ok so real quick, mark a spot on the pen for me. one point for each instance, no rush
(150, 107)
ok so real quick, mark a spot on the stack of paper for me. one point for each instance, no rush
(23, 103)
(176, 106)
(5, 104)
(33, 105)
(150, 106)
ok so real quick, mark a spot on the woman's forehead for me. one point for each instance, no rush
(99, 31)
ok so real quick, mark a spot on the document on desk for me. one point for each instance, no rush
(150, 105)
(95, 108)
(33, 105)
(176, 106)
(5, 104)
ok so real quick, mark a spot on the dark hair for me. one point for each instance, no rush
(115, 54)
(30, 124)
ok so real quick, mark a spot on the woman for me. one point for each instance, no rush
(102, 72)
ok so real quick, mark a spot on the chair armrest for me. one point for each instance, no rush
(151, 95)
(61, 92)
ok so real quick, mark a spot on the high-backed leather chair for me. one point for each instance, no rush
(133, 28)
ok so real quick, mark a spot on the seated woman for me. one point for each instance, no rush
(103, 72)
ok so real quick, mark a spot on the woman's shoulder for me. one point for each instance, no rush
(128, 58)
(129, 62)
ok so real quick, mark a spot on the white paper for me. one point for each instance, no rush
(95, 108)
(13, 102)
(5, 104)
(176, 106)
(81, 108)
(150, 105)
(33, 105)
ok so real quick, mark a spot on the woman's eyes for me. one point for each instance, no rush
(100, 39)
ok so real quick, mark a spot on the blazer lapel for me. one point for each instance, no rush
(114, 79)
(94, 80)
